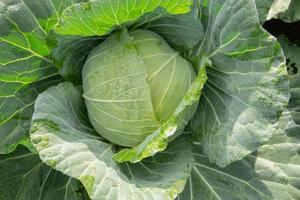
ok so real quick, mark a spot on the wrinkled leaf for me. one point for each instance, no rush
(24, 176)
(247, 86)
(99, 17)
(63, 137)
(24, 63)
(285, 10)
(271, 173)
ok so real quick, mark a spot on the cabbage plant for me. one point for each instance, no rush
(148, 100)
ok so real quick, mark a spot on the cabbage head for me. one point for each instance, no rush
(132, 84)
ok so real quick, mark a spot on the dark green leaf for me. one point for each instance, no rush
(23, 176)
(181, 31)
(70, 54)
(25, 66)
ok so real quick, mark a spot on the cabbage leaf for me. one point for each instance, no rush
(285, 10)
(247, 85)
(99, 17)
(24, 176)
(25, 65)
(270, 173)
(65, 140)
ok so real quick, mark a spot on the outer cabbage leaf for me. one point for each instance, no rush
(285, 10)
(63, 137)
(24, 62)
(263, 7)
(14, 128)
(99, 17)
(24, 176)
(181, 31)
(70, 53)
(247, 86)
(271, 173)
(292, 54)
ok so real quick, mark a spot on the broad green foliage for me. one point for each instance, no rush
(292, 53)
(263, 7)
(24, 62)
(148, 99)
(247, 86)
(16, 110)
(285, 10)
(99, 17)
(24, 176)
(271, 173)
(132, 85)
(59, 118)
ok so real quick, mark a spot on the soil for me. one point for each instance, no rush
(277, 27)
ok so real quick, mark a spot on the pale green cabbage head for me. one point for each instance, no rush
(133, 82)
